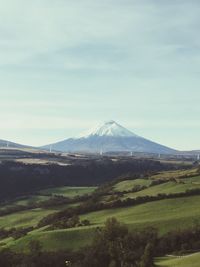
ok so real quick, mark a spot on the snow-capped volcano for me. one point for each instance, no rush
(109, 137)
(109, 128)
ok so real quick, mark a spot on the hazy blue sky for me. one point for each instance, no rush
(67, 65)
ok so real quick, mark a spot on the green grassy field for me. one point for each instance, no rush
(68, 191)
(129, 184)
(43, 195)
(31, 199)
(169, 187)
(33, 216)
(192, 260)
(192, 180)
(74, 239)
(166, 215)
(24, 218)
(166, 188)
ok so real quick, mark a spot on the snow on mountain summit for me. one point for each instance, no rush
(109, 128)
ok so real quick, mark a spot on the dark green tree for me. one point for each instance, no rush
(147, 258)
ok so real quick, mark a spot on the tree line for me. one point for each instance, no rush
(113, 246)
(18, 179)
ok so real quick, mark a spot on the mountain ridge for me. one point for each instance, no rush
(10, 144)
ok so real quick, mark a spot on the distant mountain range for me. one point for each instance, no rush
(109, 137)
(8, 144)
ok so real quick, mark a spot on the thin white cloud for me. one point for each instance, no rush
(149, 30)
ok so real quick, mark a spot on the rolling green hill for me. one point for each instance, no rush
(74, 239)
(24, 218)
(43, 195)
(169, 182)
(170, 187)
(166, 215)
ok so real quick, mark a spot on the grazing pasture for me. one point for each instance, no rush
(191, 260)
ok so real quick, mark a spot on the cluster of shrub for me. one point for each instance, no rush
(180, 242)
(14, 232)
(113, 246)
(71, 222)
(137, 188)
(53, 201)
(35, 257)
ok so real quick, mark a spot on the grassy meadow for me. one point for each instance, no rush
(56, 240)
(67, 191)
(165, 188)
(43, 195)
(24, 218)
(192, 260)
(165, 215)
(129, 184)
